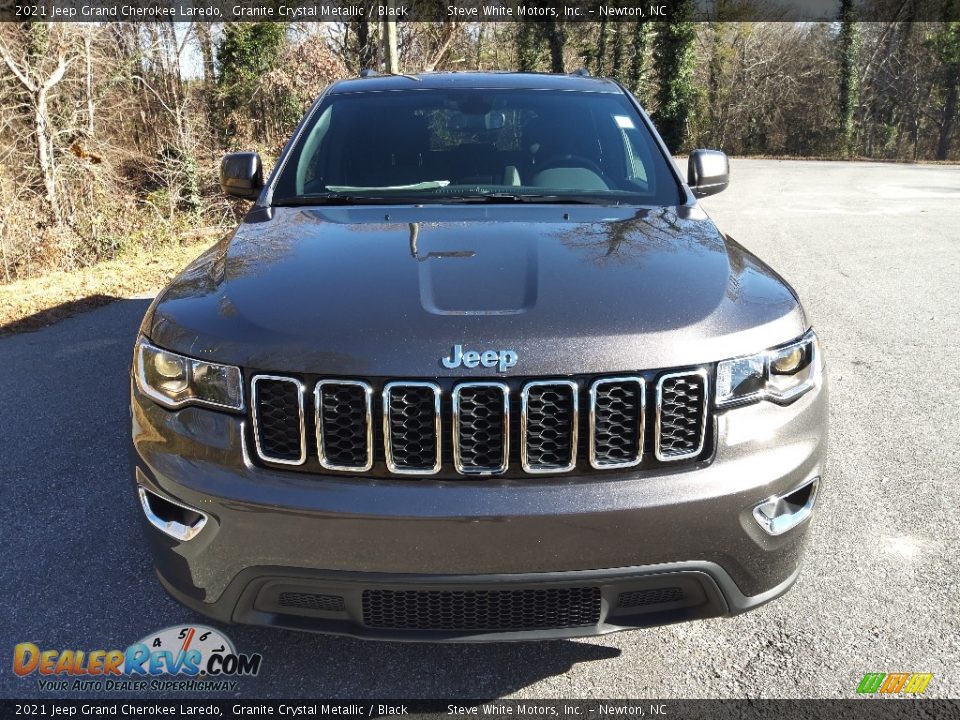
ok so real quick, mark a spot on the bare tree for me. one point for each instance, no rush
(34, 72)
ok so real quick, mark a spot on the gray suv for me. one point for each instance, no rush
(476, 366)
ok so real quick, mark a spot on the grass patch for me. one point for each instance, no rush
(35, 303)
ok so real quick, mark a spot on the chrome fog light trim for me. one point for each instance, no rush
(779, 514)
(176, 530)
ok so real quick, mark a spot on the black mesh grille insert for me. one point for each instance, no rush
(682, 408)
(617, 436)
(641, 598)
(550, 426)
(312, 601)
(344, 422)
(278, 420)
(489, 610)
(411, 421)
(481, 428)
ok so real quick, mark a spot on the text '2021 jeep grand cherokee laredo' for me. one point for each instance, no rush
(476, 366)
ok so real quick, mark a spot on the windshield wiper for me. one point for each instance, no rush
(506, 198)
(493, 198)
(337, 199)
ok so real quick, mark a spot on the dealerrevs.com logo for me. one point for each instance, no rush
(183, 657)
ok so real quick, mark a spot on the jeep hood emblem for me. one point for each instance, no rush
(500, 359)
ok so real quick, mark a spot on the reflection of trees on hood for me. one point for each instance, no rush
(627, 241)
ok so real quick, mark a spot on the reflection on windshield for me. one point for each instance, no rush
(426, 185)
(453, 145)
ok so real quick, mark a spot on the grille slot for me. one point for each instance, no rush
(548, 426)
(411, 427)
(681, 415)
(344, 425)
(481, 428)
(479, 610)
(617, 408)
(312, 601)
(278, 425)
(643, 598)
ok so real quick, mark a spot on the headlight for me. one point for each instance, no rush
(780, 375)
(174, 380)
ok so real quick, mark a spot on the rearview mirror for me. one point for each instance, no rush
(241, 175)
(708, 172)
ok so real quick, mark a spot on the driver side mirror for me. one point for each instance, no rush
(708, 172)
(241, 175)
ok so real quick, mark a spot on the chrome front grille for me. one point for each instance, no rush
(278, 424)
(511, 427)
(481, 428)
(617, 408)
(344, 422)
(681, 415)
(411, 426)
(549, 420)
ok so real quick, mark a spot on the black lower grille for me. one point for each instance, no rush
(312, 601)
(489, 610)
(642, 598)
(682, 399)
(278, 403)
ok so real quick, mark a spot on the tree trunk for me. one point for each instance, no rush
(638, 59)
(480, 38)
(714, 84)
(674, 59)
(205, 41)
(847, 100)
(390, 43)
(946, 124)
(526, 44)
(556, 38)
(366, 49)
(601, 57)
(616, 62)
(89, 81)
(45, 152)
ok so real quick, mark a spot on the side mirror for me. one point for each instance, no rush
(708, 172)
(241, 175)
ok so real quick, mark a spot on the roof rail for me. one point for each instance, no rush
(368, 72)
(581, 72)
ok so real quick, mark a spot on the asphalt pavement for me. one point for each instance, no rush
(874, 252)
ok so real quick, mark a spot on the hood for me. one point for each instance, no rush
(388, 291)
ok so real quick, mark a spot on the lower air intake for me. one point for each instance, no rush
(642, 598)
(482, 610)
(311, 601)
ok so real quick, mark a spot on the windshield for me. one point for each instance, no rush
(476, 145)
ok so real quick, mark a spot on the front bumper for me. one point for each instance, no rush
(685, 542)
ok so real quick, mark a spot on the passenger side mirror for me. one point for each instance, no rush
(241, 175)
(708, 172)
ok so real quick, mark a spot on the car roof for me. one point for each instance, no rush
(478, 80)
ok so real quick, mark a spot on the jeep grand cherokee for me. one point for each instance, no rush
(476, 365)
